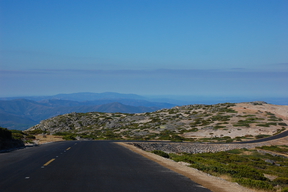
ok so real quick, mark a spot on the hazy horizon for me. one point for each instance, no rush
(172, 99)
(202, 48)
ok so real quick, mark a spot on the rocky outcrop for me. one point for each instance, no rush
(87, 121)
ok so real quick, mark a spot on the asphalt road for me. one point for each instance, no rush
(87, 166)
(278, 136)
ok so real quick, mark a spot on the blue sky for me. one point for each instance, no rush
(205, 47)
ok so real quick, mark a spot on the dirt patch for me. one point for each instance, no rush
(278, 110)
(41, 139)
(259, 121)
(270, 177)
(215, 184)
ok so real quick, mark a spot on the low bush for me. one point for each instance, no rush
(241, 124)
(69, 137)
(281, 180)
(218, 127)
(235, 151)
(229, 141)
(247, 167)
(254, 183)
(16, 134)
(194, 129)
(238, 139)
(220, 118)
(275, 148)
(62, 133)
(261, 136)
(36, 131)
(161, 153)
(244, 171)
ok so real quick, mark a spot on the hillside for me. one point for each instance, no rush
(22, 113)
(220, 122)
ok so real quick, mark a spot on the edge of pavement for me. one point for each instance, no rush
(213, 183)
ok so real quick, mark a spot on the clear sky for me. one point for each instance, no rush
(193, 47)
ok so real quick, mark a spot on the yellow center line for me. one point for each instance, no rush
(68, 148)
(48, 162)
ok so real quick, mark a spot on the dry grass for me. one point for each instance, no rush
(41, 139)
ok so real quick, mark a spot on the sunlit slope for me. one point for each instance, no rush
(226, 121)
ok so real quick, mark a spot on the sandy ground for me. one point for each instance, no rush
(215, 184)
(280, 111)
(41, 139)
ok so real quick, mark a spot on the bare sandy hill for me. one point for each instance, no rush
(250, 120)
(279, 110)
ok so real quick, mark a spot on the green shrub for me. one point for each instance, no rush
(18, 135)
(241, 124)
(229, 141)
(281, 180)
(274, 148)
(284, 189)
(235, 151)
(254, 183)
(176, 138)
(220, 118)
(243, 171)
(238, 139)
(62, 133)
(161, 153)
(263, 125)
(30, 137)
(69, 137)
(246, 169)
(218, 127)
(261, 136)
(194, 130)
(36, 131)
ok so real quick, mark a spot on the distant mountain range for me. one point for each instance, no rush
(83, 96)
(22, 113)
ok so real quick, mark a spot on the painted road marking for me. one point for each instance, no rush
(48, 162)
(53, 159)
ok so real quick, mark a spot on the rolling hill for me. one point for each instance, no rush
(23, 113)
(220, 122)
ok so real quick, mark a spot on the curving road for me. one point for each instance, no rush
(278, 136)
(87, 166)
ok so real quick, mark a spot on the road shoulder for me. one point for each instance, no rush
(213, 183)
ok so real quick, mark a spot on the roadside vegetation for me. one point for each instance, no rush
(16, 135)
(13, 138)
(249, 168)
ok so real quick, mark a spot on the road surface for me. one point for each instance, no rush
(87, 166)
